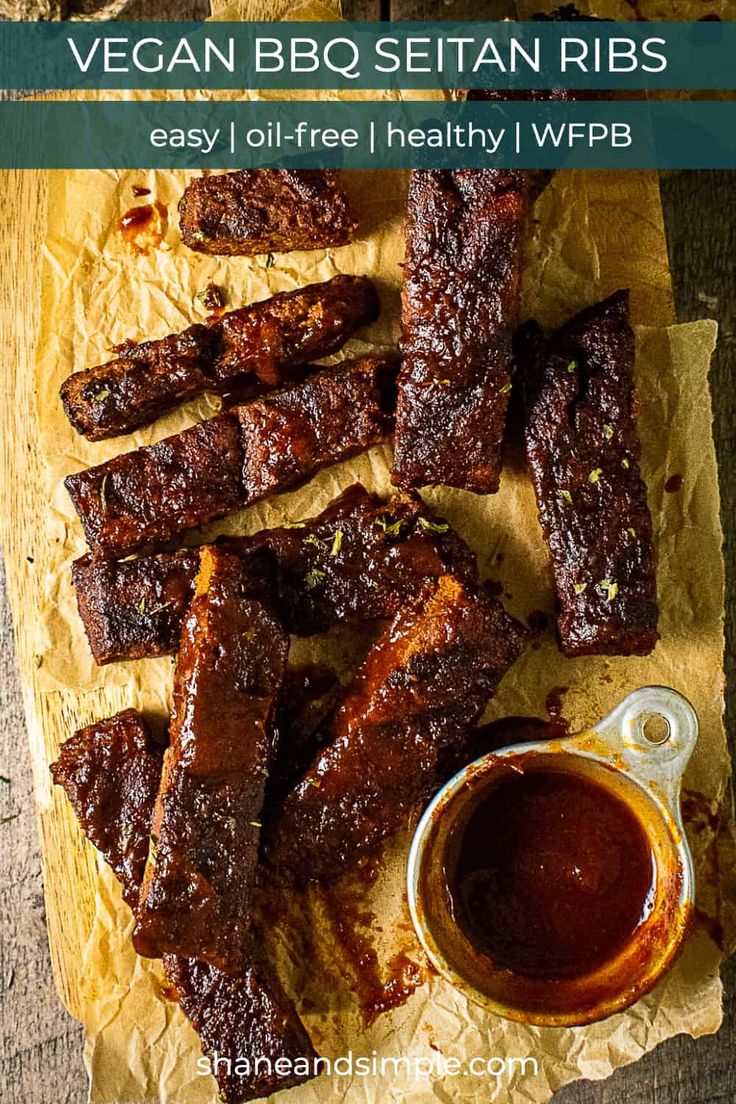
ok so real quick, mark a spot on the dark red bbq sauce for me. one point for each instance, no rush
(550, 874)
(673, 484)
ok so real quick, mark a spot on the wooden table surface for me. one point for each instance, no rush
(40, 1044)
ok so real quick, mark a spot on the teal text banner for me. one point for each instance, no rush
(406, 134)
(505, 55)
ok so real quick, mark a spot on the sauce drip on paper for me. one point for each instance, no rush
(144, 227)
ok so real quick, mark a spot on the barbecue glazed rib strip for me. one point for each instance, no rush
(254, 347)
(265, 210)
(241, 1020)
(232, 460)
(195, 896)
(460, 306)
(424, 684)
(112, 778)
(110, 771)
(583, 455)
(361, 559)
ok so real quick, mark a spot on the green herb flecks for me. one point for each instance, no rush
(579, 588)
(391, 529)
(336, 542)
(255, 824)
(608, 432)
(565, 495)
(313, 578)
(610, 589)
(572, 366)
(433, 526)
(315, 541)
(631, 532)
(595, 475)
(625, 463)
(142, 606)
(100, 395)
(505, 389)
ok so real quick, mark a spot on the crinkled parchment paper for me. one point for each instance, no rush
(593, 233)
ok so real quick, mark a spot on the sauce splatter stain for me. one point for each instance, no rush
(674, 484)
(144, 227)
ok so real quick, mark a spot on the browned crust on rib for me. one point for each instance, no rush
(405, 716)
(195, 896)
(583, 454)
(361, 559)
(110, 772)
(265, 210)
(256, 347)
(460, 305)
(230, 461)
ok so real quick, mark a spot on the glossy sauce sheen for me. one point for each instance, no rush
(550, 874)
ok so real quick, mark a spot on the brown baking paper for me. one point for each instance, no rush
(593, 233)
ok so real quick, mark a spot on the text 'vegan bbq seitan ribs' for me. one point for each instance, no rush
(254, 346)
(406, 715)
(265, 210)
(583, 454)
(232, 460)
(361, 559)
(460, 305)
(195, 896)
(111, 777)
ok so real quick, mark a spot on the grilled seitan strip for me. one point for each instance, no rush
(360, 560)
(460, 306)
(254, 347)
(195, 896)
(583, 454)
(232, 460)
(111, 775)
(111, 771)
(265, 210)
(410, 708)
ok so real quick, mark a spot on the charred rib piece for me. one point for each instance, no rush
(255, 347)
(112, 778)
(234, 459)
(194, 900)
(243, 1019)
(424, 683)
(383, 554)
(583, 454)
(110, 771)
(265, 210)
(460, 305)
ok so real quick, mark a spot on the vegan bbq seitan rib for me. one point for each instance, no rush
(111, 771)
(265, 211)
(196, 891)
(403, 720)
(257, 346)
(234, 459)
(460, 306)
(360, 560)
(583, 455)
(111, 777)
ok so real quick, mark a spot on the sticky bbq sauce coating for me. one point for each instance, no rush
(460, 306)
(110, 772)
(256, 346)
(265, 210)
(241, 1020)
(231, 664)
(549, 873)
(583, 454)
(424, 684)
(234, 459)
(360, 560)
